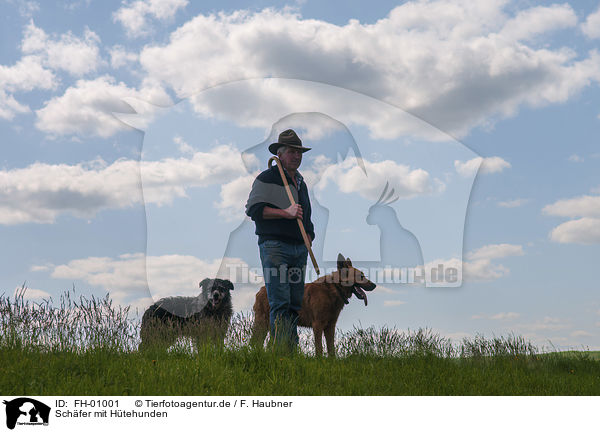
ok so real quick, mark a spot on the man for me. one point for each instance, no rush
(282, 250)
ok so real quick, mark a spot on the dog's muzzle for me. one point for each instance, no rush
(215, 299)
(360, 293)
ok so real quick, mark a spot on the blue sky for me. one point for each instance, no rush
(484, 118)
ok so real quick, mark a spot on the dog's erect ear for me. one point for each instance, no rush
(348, 262)
(204, 283)
(228, 284)
(341, 263)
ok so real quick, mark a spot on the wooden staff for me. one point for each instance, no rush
(300, 224)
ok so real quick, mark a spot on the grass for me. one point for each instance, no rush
(89, 347)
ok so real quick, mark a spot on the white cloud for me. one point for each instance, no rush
(41, 192)
(26, 8)
(392, 303)
(513, 203)
(406, 182)
(42, 57)
(74, 5)
(77, 56)
(168, 178)
(585, 230)
(260, 102)
(469, 167)
(545, 324)
(505, 316)
(455, 64)
(134, 16)
(9, 106)
(183, 146)
(496, 251)
(309, 125)
(120, 57)
(126, 276)
(586, 205)
(234, 196)
(539, 20)
(581, 333)
(480, 265)
(591, 26)
(87, 107)
(575, 158)
(502, 316)
(31, 294)
(488, 165)
(26, 75)
(493, 164)
(482, 270)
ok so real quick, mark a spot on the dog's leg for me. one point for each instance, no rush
(154, 334)
(145, 329)
(217, 331)
(259, 333)
(330, 340)
(259, 330)
(149, 333)
(318, 332)
(222, 332)
(144, 337)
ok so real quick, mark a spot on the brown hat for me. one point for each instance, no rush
(288, 138)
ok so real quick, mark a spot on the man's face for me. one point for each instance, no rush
(291, 158)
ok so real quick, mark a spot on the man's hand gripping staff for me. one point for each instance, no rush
(296, 210)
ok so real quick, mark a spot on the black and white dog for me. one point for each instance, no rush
(205, 317)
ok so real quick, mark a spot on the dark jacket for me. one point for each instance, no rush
(268, 190)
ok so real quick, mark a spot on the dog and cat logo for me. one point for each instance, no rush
(410, 165)
(26, 411)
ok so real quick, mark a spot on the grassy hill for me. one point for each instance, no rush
(88, 347)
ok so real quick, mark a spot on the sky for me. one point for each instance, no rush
(132, 131)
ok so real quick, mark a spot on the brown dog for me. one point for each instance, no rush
(323, 301)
